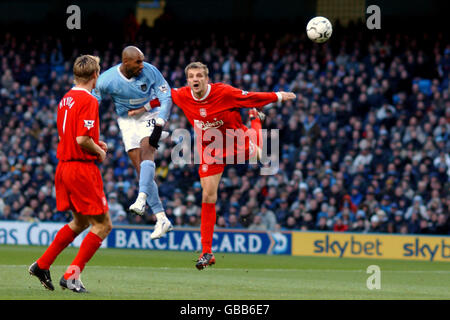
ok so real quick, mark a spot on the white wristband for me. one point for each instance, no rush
(147, 106)
(160, 122)
(280, 97)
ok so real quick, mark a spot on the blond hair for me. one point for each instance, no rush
(85, 67)
(196, 65)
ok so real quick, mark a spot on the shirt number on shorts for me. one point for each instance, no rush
(151, 123)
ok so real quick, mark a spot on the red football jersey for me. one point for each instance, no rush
(77, 116)
(219, 109)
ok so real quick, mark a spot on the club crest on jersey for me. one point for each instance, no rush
(144, 87)
(203, 112)
(89, 124)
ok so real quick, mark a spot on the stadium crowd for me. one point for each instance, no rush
(364, 148)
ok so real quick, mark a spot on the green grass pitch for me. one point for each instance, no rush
(171, 275)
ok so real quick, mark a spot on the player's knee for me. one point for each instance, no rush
(78, 226)
(209, 196)
(147, 152)
(107, 227)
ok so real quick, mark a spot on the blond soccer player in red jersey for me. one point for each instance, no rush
(209, 106)
(78, 182)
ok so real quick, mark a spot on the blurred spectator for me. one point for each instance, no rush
(233, 222)
(322, 224)
(417, 207)
(257, 224)
(221, 222)
(268, 218)
(375, 224)
(339, 225)
(442, 225)
(120, 218)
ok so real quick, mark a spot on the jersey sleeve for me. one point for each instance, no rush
(237, 98)
(87, 121)
(163, 93)
(175, 96)
(100, 89)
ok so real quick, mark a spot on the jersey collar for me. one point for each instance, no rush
(123, 77)
(208, 90)
(81, 89)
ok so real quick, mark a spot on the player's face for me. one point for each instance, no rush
(135, 66)
(198, 81)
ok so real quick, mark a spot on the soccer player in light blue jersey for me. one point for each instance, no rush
(131, 85)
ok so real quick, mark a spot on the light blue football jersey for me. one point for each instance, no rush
(134, 93)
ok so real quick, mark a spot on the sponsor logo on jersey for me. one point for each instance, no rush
(208, 125)
(89, 124)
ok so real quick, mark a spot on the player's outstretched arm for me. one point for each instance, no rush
(286, 96)
(245, 99)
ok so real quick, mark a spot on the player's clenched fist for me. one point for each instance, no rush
(103, 145)
(101, 155)
(286, 96)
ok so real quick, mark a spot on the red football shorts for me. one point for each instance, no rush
(206, 170)
(79, 187)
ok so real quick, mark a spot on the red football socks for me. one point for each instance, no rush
(88, 247)
(63, 238)
(256, 125)
(208, 220)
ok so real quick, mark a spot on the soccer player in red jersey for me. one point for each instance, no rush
(78, 182)
(216, 106)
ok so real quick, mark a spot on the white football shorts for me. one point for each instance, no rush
(138, 127)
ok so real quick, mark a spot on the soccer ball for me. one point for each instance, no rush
(319, 29)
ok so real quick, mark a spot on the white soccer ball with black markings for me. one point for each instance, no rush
(319, 29)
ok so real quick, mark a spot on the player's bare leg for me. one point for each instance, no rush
(79, 223)
(210, 185)
(135, 157)
(101, 227)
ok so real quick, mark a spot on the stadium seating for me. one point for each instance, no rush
(364, 148)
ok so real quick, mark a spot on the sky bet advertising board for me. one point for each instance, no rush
(377, 246)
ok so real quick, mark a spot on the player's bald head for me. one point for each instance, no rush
(131, 53)
(132, 62)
